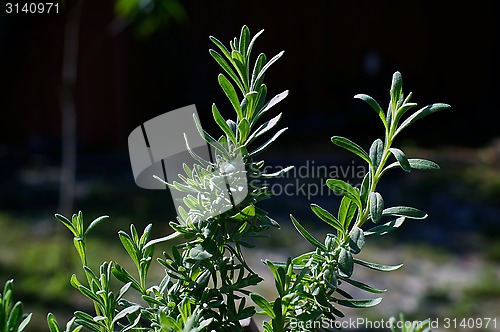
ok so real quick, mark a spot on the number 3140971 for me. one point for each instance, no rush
(31, 8)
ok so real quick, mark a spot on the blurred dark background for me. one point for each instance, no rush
(333, 51)
(131, 65)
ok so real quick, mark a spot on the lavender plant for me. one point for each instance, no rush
(207, 279)
(310, 286)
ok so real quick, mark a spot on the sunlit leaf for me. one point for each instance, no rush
(377, 267)
(373, 104)
(405, 211)
(306, 234)
(351, 146)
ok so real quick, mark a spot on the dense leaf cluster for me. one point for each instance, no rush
(206, 276)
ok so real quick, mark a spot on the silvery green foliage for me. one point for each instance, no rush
(310, 286)
(206, 276)
(209, 268)
(207, 186)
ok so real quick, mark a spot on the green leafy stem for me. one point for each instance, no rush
(309, 285)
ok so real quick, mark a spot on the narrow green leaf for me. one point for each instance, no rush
(200, 160)
(327, 217)
(343, 188)
(403, 109)
(427, 110)
(86, 320)
(74, 281)
(250, 45)
(263, 304)
(222, 124)
(248, 105)
(405, 211)
(377, 267)
(90, 274)
(376, 206)
(129, 246)
(245, 214)
(65, 221)
(145, 235)
(24, 323)
(420, 164)
(261, 100)
(347, 211)
(95, 223)
(268, 125)
(401, 157)
(227, 69)
(343, 293)
(70, 326)
(275, 100)
(14, 316)
(423, 164)
(272, 266)
(234, 44)
(88, 293)
(237, 56)
(373, 104)
(243, 129)
(306, 234)
(363, 286)
(351, 146)
(77, 224)
(133, 233)
(124, 276)
(125, 312)
(302, 260)
(231, 94)
(277, 308)
(266, 67)
(123, 290)
(259, 64)
(359, 303)
(208, 138)
(244, 40)
(396, 90)
(221, 46)
(239, 64)
(385, 228)
(376, 152)
(407, 99)
(267, 143)
(52, 322)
